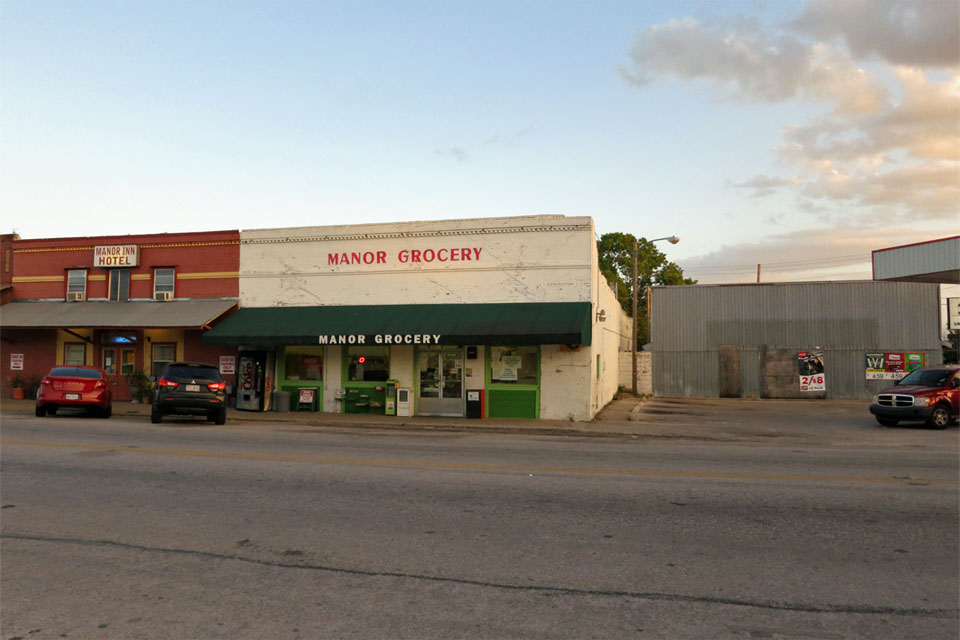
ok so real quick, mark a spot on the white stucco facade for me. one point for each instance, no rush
(530, 259)
(527, 259)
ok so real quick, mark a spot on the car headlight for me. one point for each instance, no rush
(876, 399)
(922, 402)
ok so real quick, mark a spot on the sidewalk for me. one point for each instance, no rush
(712, 420)
(9, 407)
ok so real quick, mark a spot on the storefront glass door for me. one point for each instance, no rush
(441, 383)
(118, 362)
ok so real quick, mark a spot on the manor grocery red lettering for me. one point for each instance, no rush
(406, 256)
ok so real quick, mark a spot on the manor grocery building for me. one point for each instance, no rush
(497, 317)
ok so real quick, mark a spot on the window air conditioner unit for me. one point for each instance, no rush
(164, 296)
(75, 296)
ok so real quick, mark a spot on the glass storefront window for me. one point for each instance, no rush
(368, 364)
(513, 365)
(303, 363)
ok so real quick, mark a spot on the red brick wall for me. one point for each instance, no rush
(39, 349)
(212, 257)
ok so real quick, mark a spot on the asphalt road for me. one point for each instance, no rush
(122, 529)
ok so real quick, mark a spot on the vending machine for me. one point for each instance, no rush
(251, 387)
(390, 398)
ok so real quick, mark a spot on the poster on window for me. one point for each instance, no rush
(510, 367)
(810, 365)
(312, 367)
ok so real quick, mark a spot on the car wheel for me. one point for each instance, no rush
(51, 411)
(221, 416)
(40, 411)
(940, 418)
(106, 413)
(888, 422)
(155, 416)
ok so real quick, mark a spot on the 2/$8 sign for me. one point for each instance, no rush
(116, 255)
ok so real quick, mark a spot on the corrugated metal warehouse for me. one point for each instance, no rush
(753, 340)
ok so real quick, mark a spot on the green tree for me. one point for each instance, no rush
(615, 251)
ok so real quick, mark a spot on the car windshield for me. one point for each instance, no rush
(927, 378)
(188, 371)
(73, 372)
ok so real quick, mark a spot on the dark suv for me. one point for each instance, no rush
(188, 388)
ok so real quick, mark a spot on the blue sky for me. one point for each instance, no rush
(730, 124)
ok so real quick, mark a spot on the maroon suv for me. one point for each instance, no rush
(931, 395)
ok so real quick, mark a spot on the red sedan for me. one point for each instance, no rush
(83, 387)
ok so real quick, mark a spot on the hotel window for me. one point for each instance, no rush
(120, 284)
(76, 284)
(163, 280)
(163, 354)
(74, 354)
(513, 365)
(368, 364)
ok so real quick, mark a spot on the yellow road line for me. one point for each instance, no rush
(472, 466)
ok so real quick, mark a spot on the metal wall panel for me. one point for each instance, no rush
(844, 319)
(928, 257)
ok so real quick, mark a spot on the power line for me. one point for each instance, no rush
(781, 266)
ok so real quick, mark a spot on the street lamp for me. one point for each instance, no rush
(671, 240)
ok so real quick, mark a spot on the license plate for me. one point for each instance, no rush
(193, 388)
(71, 396)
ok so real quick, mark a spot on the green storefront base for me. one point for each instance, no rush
(364, 397)
(513, 402)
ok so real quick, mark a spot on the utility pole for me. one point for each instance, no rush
(633, 341)
(758, 274)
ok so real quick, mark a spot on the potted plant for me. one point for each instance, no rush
(17, 384)
(140, 385)
(33, 387)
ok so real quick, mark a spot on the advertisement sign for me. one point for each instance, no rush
(892, 366)
(509, 366)
(117, 255)
(16, 362)
(953, 314)
(914, 361)
(228, 364)
(810, 365)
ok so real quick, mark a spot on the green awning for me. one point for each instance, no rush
(521, 323)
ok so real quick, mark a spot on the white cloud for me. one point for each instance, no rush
(924, 33)
(887, 144)
(751, 64)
